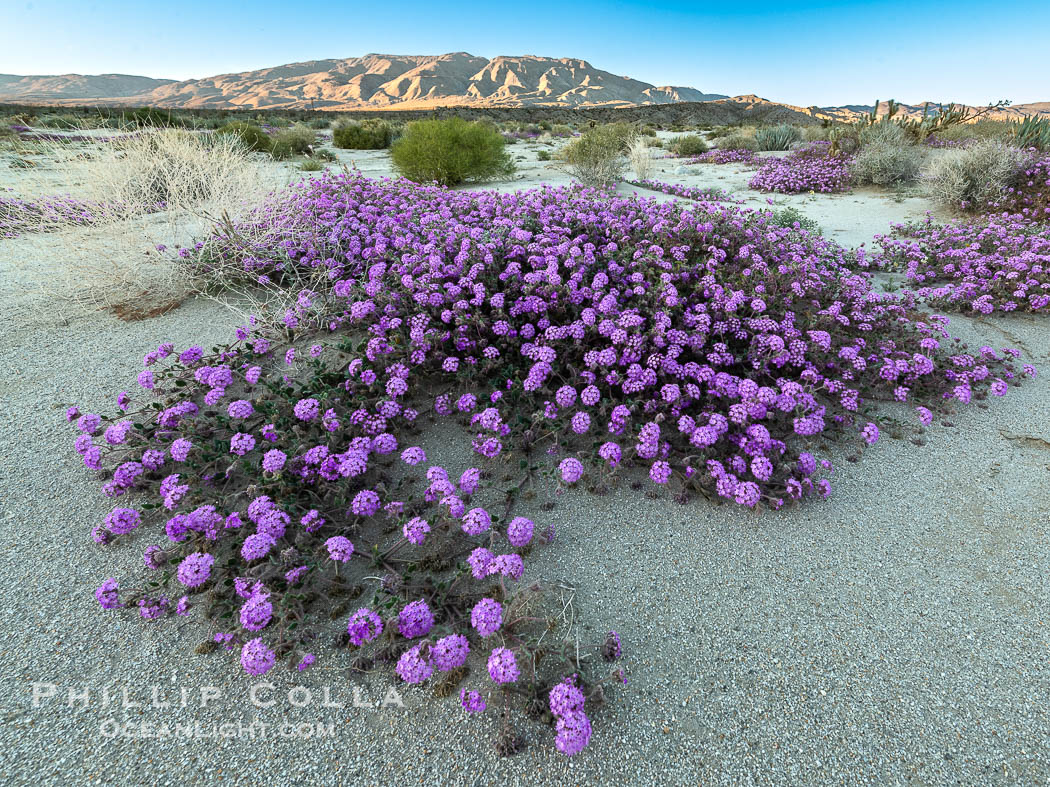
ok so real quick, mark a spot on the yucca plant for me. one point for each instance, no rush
(1032, 132)
(780, 137)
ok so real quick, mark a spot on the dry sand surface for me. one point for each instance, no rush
(896, 633)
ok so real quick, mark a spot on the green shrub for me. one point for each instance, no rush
(789, 217)
(364, 135)
(251, 136)
(689, 145)
(560, 130)
(451, 152)
(737, 142)
(319, 123)
(598, 157)
(311, 165)
(543, 155)
(780, 137)
(150, 116)
(295, 141)
(323, 154)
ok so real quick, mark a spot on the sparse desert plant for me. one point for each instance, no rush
(598, 157)
(251, 136)
(363, 135)
(737, 141)
(688, 145)
(543, 155)
(296, 140)
(971, 178)
(323, 154)
(560, 130)
(641, 159)
(887, 157)
(815, 133)
(790, 217)
(451, 152)
(780, 137)
(148, 117)
(311, 165)
(319, 124)
(133, 196)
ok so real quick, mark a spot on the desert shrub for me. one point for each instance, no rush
(886, 158)
(319, 124)
(688, 145)
(598, 157)
(66, 121)
(972, 178)
(980, 129)
(560, 130)
(737, 142)
(882, 133)
(250, 135)
(780, 137)
(543, 155)
(151, 117)
(450, 152)
(793, 218)
(815, 133)
(363, 135)
(845, 140)
(296, 140)
(323, 154)
(311, 165)
(641, 159)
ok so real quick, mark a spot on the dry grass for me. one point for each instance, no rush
(150, 190)
(640, 156)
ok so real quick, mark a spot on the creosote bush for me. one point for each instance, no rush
(297, 140)
(688, 145)
(451, 152)
(364, 135)
(598, 158)
(251, 136)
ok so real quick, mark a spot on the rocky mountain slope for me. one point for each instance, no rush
(372, 82)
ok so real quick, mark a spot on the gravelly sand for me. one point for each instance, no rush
(895, 633)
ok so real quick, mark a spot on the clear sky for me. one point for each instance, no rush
(804, 53)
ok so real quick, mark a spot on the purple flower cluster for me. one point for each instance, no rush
(808, 169)
(728, 156)
(994, 263)
(701, 342)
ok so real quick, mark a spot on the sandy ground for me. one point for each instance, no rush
(896, 633)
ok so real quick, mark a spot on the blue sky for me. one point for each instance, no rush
(810, 52)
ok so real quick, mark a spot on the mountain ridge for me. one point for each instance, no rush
(386, 82)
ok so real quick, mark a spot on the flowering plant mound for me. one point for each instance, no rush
(996, 262)
(282, 479)
(720, 156)
(43, 214)
(810, 168)
(706, 194)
